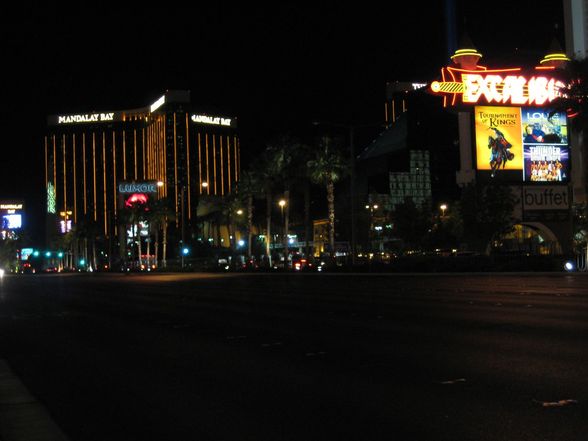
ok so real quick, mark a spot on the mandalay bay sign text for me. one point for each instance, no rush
(498, 86)
(83, 118)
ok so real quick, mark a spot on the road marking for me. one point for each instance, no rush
(458, 380)
(560, 403)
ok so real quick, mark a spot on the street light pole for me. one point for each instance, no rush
(283, 203)
(183, 224)
(443, 207)
(371, 209)
(352, 190)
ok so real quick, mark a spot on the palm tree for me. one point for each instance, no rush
(87, 230)
(574, 98)
(302, 179)
(281, 153)
(248, 188)
(327, 168)
(264, 176)
(160, 215)
(134, 213)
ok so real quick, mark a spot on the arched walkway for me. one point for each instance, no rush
(532, 238)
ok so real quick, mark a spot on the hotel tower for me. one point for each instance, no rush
(87, 157)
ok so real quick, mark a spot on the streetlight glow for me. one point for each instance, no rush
(443, 207)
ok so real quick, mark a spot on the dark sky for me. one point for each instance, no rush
(276, 67)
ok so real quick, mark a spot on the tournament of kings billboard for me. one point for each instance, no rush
(529, 140)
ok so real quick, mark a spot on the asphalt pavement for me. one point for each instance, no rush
(301, 357)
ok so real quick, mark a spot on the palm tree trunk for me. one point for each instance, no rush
(232, 238)
(286, 225)
(149, 250)
(249, 223)
(331, 204)
(86, 251)
(218, 233)
(307, 218)
(157, 246)
(94, 266)
(139, 251)
(164, 259)
(268, 226)
(76, 249)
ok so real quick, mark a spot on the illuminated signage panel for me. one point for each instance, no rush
(157, 104)
(11, 221)
(498, 138)
(522, 138)
(545, 146)
(546, 197)
(85, 118)
(10, 206)
(212, 120)
(137, 187)
(500, 86)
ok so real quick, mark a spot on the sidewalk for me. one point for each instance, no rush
(22, 417)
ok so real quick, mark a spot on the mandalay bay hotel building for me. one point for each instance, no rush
(90, 160)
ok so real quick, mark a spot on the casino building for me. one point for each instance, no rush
(188, 153)
(512, 133)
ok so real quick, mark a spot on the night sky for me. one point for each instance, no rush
(277, 68)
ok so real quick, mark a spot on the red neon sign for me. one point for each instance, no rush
(499, 86)
(136, 198)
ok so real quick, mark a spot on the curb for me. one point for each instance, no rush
(22, 416)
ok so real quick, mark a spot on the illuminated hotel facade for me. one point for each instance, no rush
(88, 155)
(513, 133)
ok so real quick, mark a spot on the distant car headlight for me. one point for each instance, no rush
(1, 272)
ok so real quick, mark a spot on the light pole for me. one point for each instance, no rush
(183, 246)
(282, 204)
(371, 208)
(351, 128)
(443, 207)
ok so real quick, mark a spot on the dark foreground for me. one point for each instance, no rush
(303, 357)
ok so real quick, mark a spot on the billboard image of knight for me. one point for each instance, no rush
(498, 139)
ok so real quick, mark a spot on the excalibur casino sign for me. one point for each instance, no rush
(498, 86)
(518, 136)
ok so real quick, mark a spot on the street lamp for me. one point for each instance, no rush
(282, 203)
(183, 223)
(371, 208)
(443, 207)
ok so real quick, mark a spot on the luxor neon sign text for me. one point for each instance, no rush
(496, 86)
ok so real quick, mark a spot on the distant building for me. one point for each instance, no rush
(413, 158)
(88, 154)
